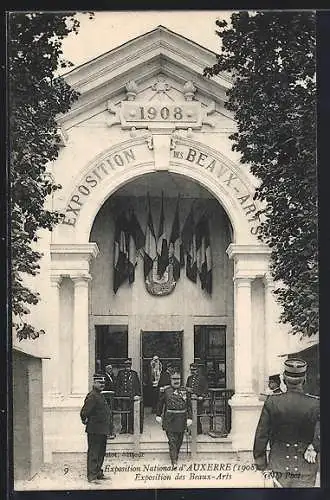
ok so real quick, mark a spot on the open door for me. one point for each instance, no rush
(111, 347)
(167, 345)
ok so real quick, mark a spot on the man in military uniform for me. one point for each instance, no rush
(128, 386)
(165, 377)
(288, 422)
(197, 385)
(95, 414)
(175, 406)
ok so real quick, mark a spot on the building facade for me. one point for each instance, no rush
(149, 127)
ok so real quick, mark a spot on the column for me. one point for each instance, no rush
(243, 336)
(276, 336)
(269, 325)
(54, 311)
(80, 351)
(244, 404)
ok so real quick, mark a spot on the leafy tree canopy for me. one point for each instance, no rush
(36, 97)
(271, 57)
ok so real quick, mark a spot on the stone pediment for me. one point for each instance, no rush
(157, 56)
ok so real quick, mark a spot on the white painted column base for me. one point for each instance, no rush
(245, 412)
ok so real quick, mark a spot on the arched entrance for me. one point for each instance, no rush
(74, 250)
(189, 323)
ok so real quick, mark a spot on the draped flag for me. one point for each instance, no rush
(175, 247)
(188, 236)
(150, 247)
(203, 254)
(162, 248)
(120, 264)
(136, 241)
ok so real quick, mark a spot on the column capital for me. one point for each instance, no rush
(268, 281)
(81, 279)
(243, 280)
(56, 279)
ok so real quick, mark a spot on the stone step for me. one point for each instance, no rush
(205, 445)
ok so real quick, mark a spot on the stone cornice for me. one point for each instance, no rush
(158, 51)
(79, 250)
(158, 39)
(245, 250)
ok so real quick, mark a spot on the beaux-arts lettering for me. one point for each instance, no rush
(125, 157)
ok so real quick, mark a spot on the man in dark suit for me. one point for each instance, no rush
(110, 387)
(175, 405)
(197, 384)
(127, 386)
(110, 379)
(288, 422)
(95, 414)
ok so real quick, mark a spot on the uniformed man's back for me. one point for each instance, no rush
(288, 424)
(294, 415)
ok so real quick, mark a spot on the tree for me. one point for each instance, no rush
(271, 58)
(36, 97)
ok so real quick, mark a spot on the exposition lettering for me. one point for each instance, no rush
(126, 157)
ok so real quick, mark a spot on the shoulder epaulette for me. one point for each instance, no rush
(312, 396)
(162, 389)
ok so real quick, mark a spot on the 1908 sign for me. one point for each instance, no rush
(159, 112)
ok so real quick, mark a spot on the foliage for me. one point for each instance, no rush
(271, 58)
(36, 97)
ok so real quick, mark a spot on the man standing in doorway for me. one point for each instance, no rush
(197, 385)
(175, 406)
(110, 387)
(127, 386)
(288, 422)
(155, 374)
(95, 414)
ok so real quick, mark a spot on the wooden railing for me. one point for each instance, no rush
(216, 409)
(122, 405)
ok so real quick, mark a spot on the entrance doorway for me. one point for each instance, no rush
(167, 345)
(111, 347)
(210, 353)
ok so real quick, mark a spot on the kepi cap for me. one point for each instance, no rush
(193, 365)
(295, 367)
(275, 378)
(128, 361)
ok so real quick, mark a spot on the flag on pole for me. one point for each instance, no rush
(135, 243)
(120, 264)
(188, 237)
(203, 254)
(175, 247)
(162, 247)
(150, 247)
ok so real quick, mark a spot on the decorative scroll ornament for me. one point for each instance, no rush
(160, 286)
(189, 90)
(131, 90)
